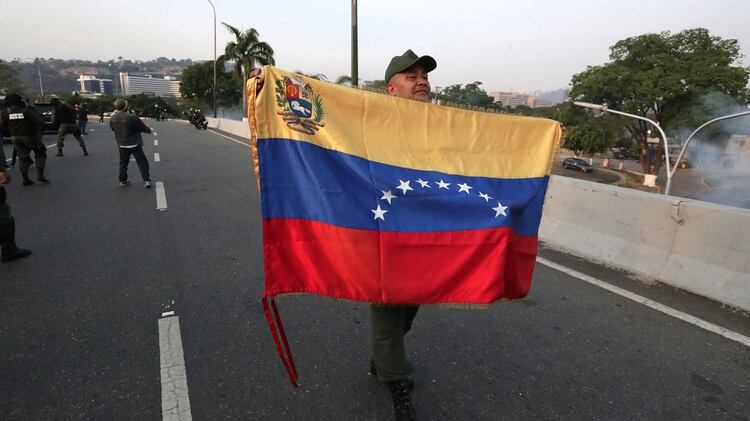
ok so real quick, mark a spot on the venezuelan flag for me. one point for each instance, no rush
(375, 198)
(388, 200)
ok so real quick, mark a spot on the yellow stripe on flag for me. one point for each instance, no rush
(412, 134)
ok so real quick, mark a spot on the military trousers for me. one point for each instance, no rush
(389, 324)
(66, 129)
(24, 146)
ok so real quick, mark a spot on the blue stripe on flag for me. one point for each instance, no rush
(302, 180)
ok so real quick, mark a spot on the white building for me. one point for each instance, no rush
(149, 85)
(93, 86)
(514, 99)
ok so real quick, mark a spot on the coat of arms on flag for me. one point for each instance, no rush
(301, 107)
(396, 201)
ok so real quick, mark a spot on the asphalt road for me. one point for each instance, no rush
(79, 318)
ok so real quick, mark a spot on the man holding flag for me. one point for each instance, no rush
(392, 201)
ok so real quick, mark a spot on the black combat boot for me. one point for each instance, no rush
(15, 254)
(9, 249)
(402, 400)
(26, 180)
(40, 176)
(59, 152)
(85, 152)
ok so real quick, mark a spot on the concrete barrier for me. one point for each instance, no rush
(697, 246)
(237, 128)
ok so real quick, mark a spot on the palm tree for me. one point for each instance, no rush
(247, 51)
(344, 80)
(316, 76)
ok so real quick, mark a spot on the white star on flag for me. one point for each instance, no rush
(404, 186)
(464, 187)
(499, 210)
(424, 183)
(443, 185)
(379, 213)
(484, 196)
(387, 195)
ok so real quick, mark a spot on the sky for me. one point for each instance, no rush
(508, 45)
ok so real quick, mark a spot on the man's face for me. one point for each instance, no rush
(411, 83)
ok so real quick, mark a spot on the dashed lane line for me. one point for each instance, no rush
(175, 399)
(157, 158)
(161, 196)
(233, 140)
(156, 142)
(729, 334)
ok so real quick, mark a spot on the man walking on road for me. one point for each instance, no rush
(406, 77)
(64, 116)
(128, 128)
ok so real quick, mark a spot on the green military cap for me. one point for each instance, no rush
(400, 63)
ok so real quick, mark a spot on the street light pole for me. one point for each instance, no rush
(687, 141)
(214, 9)
(355, 72)
(604, 109)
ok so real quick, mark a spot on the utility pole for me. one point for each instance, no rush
(214, 9)
(39, 72)
(355, 75)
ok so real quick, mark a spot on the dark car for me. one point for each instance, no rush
(45, 110)
(577, 164)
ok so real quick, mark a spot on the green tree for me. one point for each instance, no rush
(247, 51)
(469, 94)
(587, 137)
(663, 76)
(9, 80)
(197, 85)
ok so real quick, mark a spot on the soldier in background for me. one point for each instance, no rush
(25, 127)
(63, 116)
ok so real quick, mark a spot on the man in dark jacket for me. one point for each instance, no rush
(26, 128)
(64, 117)
(7, 224)
(128, 128)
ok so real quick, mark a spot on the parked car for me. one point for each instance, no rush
(577, 164)
(45, 110)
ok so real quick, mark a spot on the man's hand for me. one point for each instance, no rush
(259, 85)
(4, 177)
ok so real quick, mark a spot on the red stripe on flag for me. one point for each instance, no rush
(475, 266)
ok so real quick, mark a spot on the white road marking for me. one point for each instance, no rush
(175, 399)
(156, 157)
(161, 196)
(156, 142)
(233, 140)
(167, 313)
(729, 334)
(154, 133)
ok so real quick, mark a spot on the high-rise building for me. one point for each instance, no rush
(514, 99)
(92, 85)
(149, 85)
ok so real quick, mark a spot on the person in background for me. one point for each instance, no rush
(63, 116)
(128, 128)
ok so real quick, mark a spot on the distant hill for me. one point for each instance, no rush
(60, 76)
